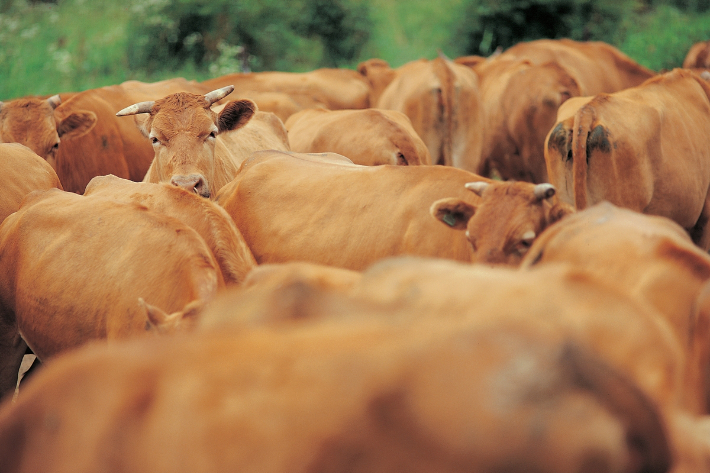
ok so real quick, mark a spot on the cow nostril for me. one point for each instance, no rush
(192, 183)
(201, 188)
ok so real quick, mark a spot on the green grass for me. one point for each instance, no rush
(78, 45)
(661, 39)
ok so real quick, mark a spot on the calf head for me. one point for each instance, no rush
(504, 225)
(183, 131)
(32, 122)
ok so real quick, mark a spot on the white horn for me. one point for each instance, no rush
(544, 191)
(141, 107)
(54, 101)
(218, 94)
(477, 187)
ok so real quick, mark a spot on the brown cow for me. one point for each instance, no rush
(370, 137)
(595, 66)
(23, 172)
(74, 268)
(519, 102)
(335, 89)
(183, 130)
(698, 56)
(37, 124)
(208, 219)
(378, 396)
(656, 163)
(507, 221)
(298, 207)
(595, 315)
(441, 99)
(648, 257)
(402, 291)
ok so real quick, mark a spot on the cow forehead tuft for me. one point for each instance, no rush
(180, 101)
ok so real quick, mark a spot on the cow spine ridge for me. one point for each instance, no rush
(445, 75)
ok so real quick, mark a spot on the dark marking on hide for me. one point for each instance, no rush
(558, 141)
(440, 103)
(598, 139)
(104, 141)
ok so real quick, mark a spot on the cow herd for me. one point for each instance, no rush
(482, 264)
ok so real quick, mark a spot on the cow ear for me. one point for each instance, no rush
(76, 124)
(235, 115)
(453, 212)
(142, 123)
(559, 211)
(155, 317)
(161, 322)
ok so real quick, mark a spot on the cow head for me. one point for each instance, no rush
(504, 225)
(183, 131)
(32, 122)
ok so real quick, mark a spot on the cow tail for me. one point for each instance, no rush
(445, 75)
(583, 120)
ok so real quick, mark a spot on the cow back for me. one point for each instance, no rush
(297, 207)
(96, 258)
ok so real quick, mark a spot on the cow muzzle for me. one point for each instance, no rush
(491, 256)
(193, 183)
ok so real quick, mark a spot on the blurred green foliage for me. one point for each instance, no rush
(268, 34)
(491, 24)
(50, 46)
(662, 37)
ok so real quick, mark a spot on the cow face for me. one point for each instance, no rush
(183, 130)
(504, 225)
(32, 122)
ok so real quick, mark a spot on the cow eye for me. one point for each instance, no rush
(154, 140)
(213, 135)
(56, 146)
(524, 246)
(527, 239)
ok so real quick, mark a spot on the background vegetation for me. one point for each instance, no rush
(70, 45)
